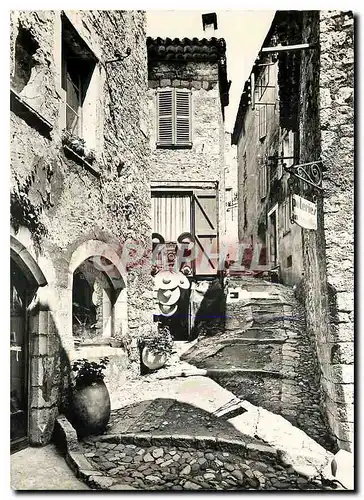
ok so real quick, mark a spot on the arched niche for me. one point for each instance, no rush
(98, 289)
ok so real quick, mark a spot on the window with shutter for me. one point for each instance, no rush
(193, 211)
(262, 121)
(174, 117)
(165, 117)
(78, 65)
(183, 117)
(263, 181)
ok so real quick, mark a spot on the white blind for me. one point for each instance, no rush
(171, 215)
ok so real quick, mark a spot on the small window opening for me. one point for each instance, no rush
(25, 48)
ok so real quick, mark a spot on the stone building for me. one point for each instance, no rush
(297, 109)
(188, 90)
(80, 202)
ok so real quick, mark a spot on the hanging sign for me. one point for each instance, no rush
(304, 212)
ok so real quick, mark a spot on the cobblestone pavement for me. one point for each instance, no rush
(185, 468)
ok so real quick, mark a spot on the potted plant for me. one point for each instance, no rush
(90, 405)
(156, 347)
(78, 145)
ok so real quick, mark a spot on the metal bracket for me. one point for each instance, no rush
(311, 173)
(119, 57)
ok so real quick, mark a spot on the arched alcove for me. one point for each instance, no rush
(99, 305)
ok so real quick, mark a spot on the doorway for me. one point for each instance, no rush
(18, 358)
(272, 242)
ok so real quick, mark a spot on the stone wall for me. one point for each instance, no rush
(327, 86)
(204, 161)
(75, 212)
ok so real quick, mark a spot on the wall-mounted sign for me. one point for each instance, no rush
(304, 212)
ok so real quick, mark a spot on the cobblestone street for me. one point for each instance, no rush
(185, 468)
(166, 444)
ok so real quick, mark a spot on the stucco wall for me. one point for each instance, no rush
(76, 206)
(204, 161)
(328, 252)
(231, 189)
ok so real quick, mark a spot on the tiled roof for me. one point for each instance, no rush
(186, 49)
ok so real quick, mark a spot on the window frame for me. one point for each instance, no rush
(263, 81)
(73, 44)
(286, 216)
(175, 144)
(262, 121)
(263, 179)
(65, 77)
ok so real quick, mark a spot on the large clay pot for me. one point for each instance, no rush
(153, 361)
(90, 408)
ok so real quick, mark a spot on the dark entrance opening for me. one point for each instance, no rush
(19, 295)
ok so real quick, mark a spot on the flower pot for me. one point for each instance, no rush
(90, 408)
(116, 342)
(153, 361)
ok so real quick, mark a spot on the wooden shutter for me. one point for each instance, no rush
(165, 117)
(183, 117)
(263, 181)
(262, 121)
(205, 219)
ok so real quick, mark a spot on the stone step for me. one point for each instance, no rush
(254, 340)
(245, 356)
(267, 333)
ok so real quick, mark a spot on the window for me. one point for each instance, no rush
(263, 82)
(286, 217)
(171, 215)
(194, 212)
(174, 117)
(263, 181)
(262, 121)
(78, 64)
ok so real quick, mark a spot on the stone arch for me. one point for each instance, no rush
(109, 274)
(26, 263)
(99, 250)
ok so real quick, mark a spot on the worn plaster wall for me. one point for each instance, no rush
(204, 161)
(71, 206)
(327, 86)
(231, 189)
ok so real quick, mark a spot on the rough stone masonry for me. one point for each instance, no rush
(71, 211)
(329, 254)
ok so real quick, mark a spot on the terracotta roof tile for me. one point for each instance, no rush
(186, 49)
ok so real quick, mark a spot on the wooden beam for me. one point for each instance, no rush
(286, 48)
